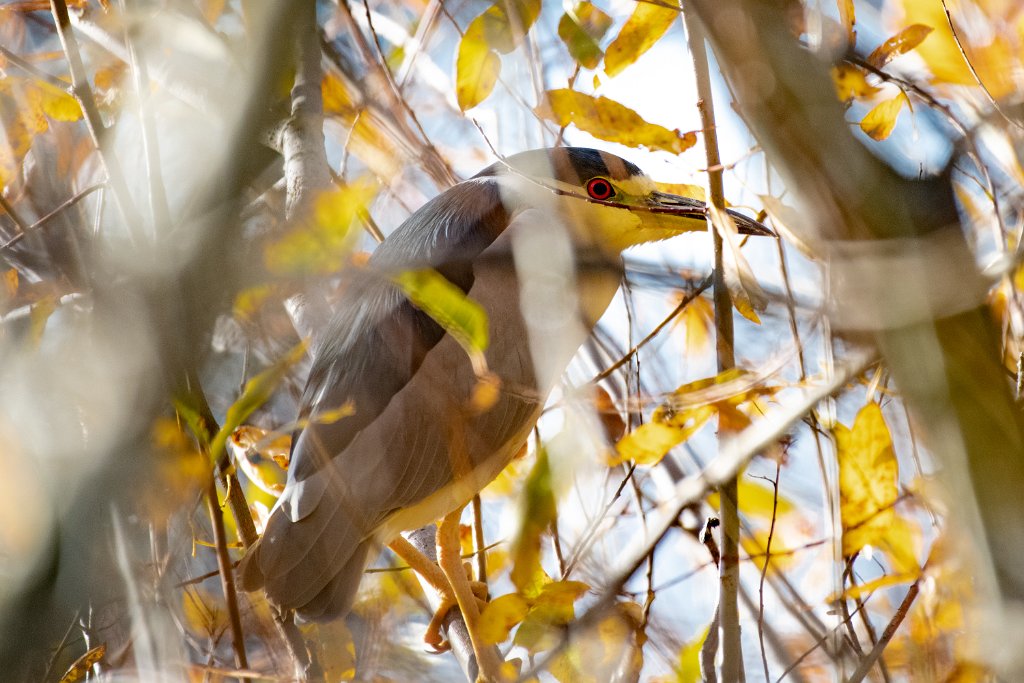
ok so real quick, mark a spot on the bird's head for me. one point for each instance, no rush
(607, 201)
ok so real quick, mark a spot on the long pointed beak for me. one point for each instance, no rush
(673, 204)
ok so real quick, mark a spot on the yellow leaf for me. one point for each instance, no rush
(38, 315)
(504, 25)
(857, 591)
(756, 500)
(336, 96)
(756, 546)
(901, 43)
(697, 319)
(449, 306)
(204, 613)
(476, 71)
(323, 243)
(256, 392)
(551, 611)
(851, 82)
(847, 17)
(747, 295)
(644, 28)
(608, 120)
(650, 442)
(81, 666)
(500, 616)
(868, 479)
(336, 650)
(581, 29)
(688, 668)
(57, 104)
(537, 511)
(10, 278)
(880, 121)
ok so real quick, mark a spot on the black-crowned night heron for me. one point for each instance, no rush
(413, 451)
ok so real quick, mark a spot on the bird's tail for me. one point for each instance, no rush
(312, 566)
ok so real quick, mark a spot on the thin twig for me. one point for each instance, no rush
(67, 203)
(732, 654)
(764, 568)
(93, 119)
(227, 573)
(887, 634)
(33, 70)
(701, 288)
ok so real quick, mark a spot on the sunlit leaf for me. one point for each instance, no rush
(449, 306)
(688, 666)
(859, 590)
(38, 316)
(687, 409)
(581, 29)
(697, 320)
(500, 616)
(476, 72)
(205, 615)
(851, 82)
(868, 479)
(552, 609)
(608, 120)
(881, 120)
(336, 96)
(537, 511)
(322, 242)
(756, 546)
(10, 279)
(756, 500)
(499, 29)
(643, 29)
(848, 18)
(80, 668)
(901, 43)
(58, 104)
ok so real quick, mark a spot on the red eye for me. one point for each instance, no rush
(599, 188)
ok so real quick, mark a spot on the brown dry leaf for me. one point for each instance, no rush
(901, 43)
(581, 29)
(868, 479)
(851, 82)
(881, 120)
(81, 667)
(611, 421)
(608, 120)
(642, 30)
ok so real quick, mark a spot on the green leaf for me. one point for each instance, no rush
(643, 29)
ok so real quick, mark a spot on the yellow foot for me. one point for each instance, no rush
(433, 636)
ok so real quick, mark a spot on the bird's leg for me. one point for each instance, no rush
(433, 575)
(449, 556)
